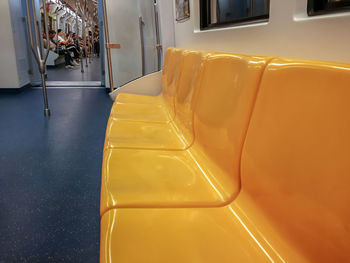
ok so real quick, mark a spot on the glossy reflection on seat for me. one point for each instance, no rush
(228, 84)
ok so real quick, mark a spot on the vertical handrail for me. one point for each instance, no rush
(158, 45)
(251, 7)
(38, 53)
(82, 34)
(108, 49)
(141, 23)
(85, 46)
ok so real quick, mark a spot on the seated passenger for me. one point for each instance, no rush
(66, 44)
(69, 62)
(72, 47)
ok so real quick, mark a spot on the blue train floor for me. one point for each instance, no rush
(50, 172)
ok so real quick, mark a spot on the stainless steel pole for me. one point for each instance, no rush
(29, 23)
(82, 35)
(36, 30)
(141, 23)
(109, 58)
(158, 45)
(84, 44)
(38, 53)
(85, 48)
(251, 7)
(44, 59)
(90, 46)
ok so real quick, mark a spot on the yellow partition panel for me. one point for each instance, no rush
(187, 235)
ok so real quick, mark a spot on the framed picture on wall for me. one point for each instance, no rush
(182, 9)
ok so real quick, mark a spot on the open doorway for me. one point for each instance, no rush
(77, 48)
(75, 57)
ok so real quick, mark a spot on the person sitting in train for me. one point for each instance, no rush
(68, 44)
(69, 62)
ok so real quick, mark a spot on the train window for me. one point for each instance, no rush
(319, 7)
(216, 13)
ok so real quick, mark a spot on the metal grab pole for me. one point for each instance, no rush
(38, 53)
(90, 47)
(251, 7)
(141, 23)
(82, 35)
(84, 41)
(108, 49)
(158, 45)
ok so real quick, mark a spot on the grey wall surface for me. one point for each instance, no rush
(167, 28)
(15, 54)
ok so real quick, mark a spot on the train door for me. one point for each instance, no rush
(78, 20)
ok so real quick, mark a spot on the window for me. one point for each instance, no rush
(319, 7)
(216, 13)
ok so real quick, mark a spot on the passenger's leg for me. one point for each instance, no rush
(97, 48)
(67, 58)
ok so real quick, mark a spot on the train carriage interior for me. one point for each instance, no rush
(180, 131)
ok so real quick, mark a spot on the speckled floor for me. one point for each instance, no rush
(50, 171)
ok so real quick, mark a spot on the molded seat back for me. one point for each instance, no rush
(165, 70)
(188, 83)
(296, 159)
(229, 84)
(170, 78)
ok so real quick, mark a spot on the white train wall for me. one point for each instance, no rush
(289, 33)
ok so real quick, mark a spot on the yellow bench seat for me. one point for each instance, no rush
(139, 99)
(142, 112)
(146, 178)
(293, 202)
(206, 235)
(144, 135)
(207, 172)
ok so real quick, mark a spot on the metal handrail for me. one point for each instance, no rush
(143, 61)
(38, 53)
(108, 48)
(158, 44)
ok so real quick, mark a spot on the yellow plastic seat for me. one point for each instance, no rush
(294, 200)
(129, 98)
(187, 235)
(157, 113)
(177, 134)
(162, 108)
(206, 174)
